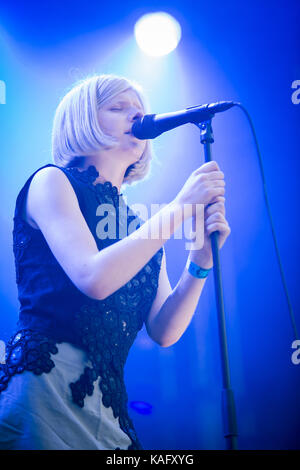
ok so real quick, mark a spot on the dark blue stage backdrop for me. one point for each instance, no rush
(242, 51)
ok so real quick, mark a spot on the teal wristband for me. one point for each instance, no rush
(196, 271)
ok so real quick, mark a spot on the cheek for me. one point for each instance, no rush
(109, 123)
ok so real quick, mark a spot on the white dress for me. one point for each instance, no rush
(37, 412)
(93, 338)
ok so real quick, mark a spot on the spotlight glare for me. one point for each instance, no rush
(157, 34)
(141, 407)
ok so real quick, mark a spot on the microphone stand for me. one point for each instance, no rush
(228, 404)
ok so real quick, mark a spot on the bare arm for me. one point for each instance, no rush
(53, 205)
(167, 325)
(173, 310)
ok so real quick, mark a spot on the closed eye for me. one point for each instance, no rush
(124, 105)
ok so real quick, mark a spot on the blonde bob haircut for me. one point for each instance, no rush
(76, 132)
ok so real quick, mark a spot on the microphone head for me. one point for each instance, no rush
(221, 106)
(144, 128)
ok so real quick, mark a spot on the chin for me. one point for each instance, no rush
(134, 156)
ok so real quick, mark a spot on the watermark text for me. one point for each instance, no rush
(296, 94)
(2, 92)
(2, 352)
(296, 354)
(186, 222)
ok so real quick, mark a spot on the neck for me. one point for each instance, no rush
(107, 171)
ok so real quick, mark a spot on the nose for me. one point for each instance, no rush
(135, 114)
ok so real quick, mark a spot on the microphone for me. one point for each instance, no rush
(153, 125)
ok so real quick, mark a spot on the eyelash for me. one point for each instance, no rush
(118, 109)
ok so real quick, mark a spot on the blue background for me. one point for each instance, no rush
(247, 52)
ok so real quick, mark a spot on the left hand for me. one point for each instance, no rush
(214, 220)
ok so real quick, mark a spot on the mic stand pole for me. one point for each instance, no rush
(228, 404)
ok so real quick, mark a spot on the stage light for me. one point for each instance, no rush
(157, 34)
(141, 407)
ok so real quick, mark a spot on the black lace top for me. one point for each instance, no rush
(53, 310)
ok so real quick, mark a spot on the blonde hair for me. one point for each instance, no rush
(76, 132)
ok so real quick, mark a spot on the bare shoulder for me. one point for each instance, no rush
(49, 186)
(50, 175)
(54, 207)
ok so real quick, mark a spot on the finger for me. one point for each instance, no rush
(215, 208)
(215, 183)
(223, 228)
(212, 175)
(214, 189)
(215, 217)
(218, 190)
(207, 167)
(216, 199)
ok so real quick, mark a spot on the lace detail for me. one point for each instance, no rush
(21, 238)
(106, 193)
(27, 350)
(106, 190)
(105, 329)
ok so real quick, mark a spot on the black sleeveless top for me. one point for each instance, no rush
(54, 310)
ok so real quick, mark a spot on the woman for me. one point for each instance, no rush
(85, 295)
